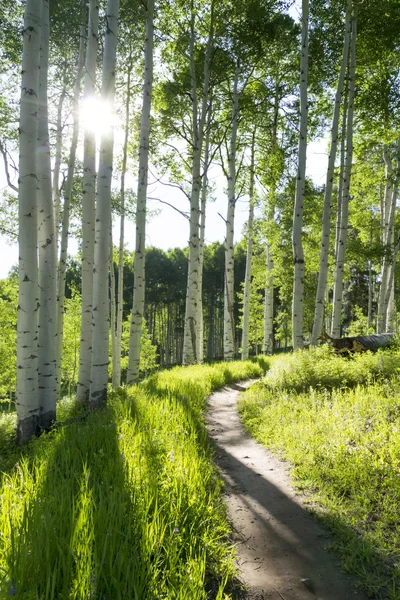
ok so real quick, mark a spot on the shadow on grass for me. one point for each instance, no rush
(75, 532)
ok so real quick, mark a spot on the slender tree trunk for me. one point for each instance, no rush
(298, 254)
(100, 335)
(47, 366)
(269, 304)
(268, 333)
(229, 320)
(27, 395)
(341, 169)
(389, 208)
(57, 165)
(140, 284)
(340, 260)
(88, 211)
(66, 210)
(249, 256)
(203, 206)
(326, 218)
(191, 341)
(120, 304)
(113, 315)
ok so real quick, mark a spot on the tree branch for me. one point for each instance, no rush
(181, 212)
(4, 153)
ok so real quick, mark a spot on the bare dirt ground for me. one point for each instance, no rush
(281, 548)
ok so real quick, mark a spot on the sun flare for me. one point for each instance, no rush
(97, 116)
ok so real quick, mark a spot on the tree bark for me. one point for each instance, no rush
(88, 210)
(326, 218)
(191, 342)
(340, 260)
(298, 254)
(269, 304)
(100, 335)
(47, 365)
(27, 395)
(57, 166)
(203, 207)
(249, 256)
(139, 263)
(229, 321)
(120, 295)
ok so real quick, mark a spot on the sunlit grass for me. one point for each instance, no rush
(124, 505)
(337, 420)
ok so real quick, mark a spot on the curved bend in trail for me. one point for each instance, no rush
(281, 549)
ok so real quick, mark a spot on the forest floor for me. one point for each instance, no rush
(281, 548)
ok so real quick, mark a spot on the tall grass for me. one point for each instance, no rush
(337, 420)
(125, 505)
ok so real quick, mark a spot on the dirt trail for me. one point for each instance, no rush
(280, 546)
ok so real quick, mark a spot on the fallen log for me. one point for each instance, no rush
(359, 343)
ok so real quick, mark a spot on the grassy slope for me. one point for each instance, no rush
(337, 421)
(124, 505)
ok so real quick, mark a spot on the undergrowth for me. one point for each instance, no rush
(337, 420)
(125, 505)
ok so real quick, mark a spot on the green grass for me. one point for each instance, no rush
(337, 420)
(125, 505)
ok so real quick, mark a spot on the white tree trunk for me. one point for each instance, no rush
(389, 208)
(268, 329)
(249, 256)
(268, 345)
(100, 332)
(370, 285)
(326, 218)
(341, 170)
(229, 321)
(120, 297)
(62, 265)
(140, 246)
(340, 259)
(47, 365)
(298, 254)
(57, 165)
(113, 313)
(203, 207)
(191, 341)
(88, 211)
(27, 397)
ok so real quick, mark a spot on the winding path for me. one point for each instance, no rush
(281, 548)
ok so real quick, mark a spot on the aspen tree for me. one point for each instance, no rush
(191, 342)
(249, 255)
(47, 365)
(27, 396)
(141, 207)
(298, 254)
(268, 342)
(229, 322)
(203, 206)
(88, 210)
(100, 334)
(326, 218)
(268, 334)
(120, 296)
(57, 165)
(340, 259)
(386, 292)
